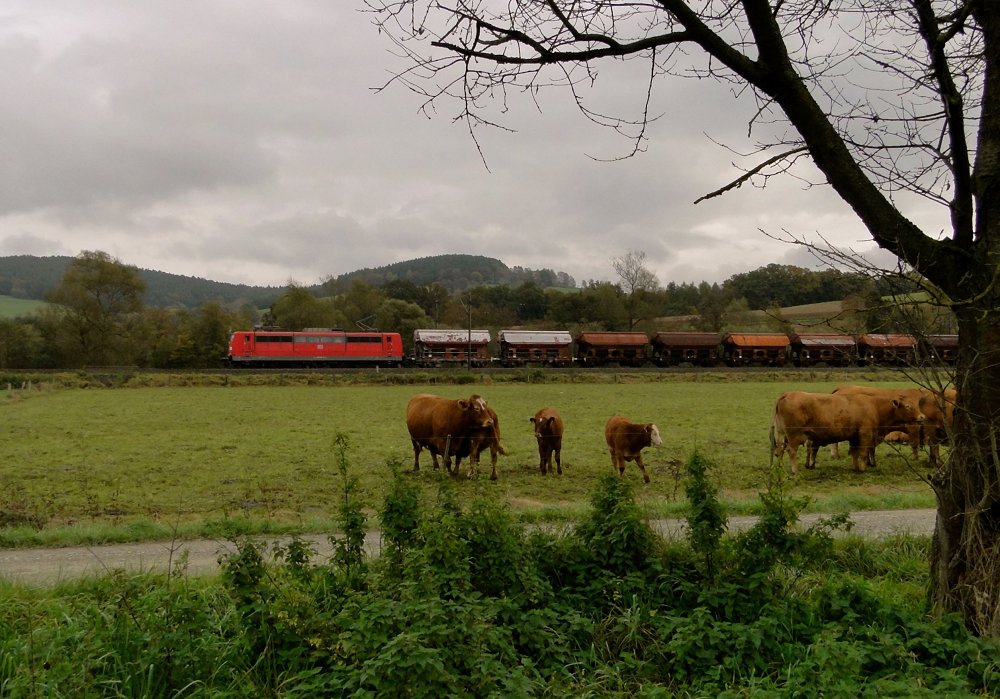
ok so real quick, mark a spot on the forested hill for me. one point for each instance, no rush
(29, 277)
(454, 273)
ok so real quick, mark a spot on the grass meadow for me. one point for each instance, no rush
(197, 458)
(467, 598)
(11, 307)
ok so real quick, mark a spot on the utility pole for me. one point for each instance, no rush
(468, 307)
(469, 353)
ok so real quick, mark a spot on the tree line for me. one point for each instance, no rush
(96, 315)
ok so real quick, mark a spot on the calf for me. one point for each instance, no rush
(626, 440)
(548, 434)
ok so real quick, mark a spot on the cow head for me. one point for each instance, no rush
(543, 426)
(906, 412)
(654, 435)
(476, 412)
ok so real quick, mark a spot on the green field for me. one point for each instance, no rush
(11, 307)
(200, 454)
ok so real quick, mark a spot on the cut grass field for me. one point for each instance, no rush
(205, 459)
(11, 307)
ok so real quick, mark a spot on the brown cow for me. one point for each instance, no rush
(548, 433)
(825, 418)
(627, 440)
(476, 441)
(441, 424)
(937, 409)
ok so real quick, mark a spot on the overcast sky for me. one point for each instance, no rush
(243, 142)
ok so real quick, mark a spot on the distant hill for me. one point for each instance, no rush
(454, 273)
(29, 277)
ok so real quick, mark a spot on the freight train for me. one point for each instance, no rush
(557, 348)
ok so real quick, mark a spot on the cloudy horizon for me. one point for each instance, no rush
(247, 143)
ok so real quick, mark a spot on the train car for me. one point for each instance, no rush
(453, 347)
(543, 347)
(756, 349)
(815, 349)
(604, 348)
(887, 349)
(940, 349)
(695, 348)
(314, 347)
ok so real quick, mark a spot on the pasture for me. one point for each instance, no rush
(204, 456)
(11, 307)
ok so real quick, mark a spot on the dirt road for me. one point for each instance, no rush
(48, 566)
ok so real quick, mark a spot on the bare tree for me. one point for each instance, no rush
(885, 97)
(637, 279)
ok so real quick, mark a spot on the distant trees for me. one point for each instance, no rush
(453, 272)
(97, 315)
(787, 285)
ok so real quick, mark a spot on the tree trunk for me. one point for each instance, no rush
(965, 557)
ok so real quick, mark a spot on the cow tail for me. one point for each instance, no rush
(770, 463)
(496, 440)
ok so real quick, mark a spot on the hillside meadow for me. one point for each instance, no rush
(196, 458)
(11, 307)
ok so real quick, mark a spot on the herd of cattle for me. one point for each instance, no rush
(465, 428)
(863, 416)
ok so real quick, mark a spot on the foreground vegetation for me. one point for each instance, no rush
(466, 602)
(156, 458)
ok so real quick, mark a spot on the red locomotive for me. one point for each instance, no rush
(314, 347)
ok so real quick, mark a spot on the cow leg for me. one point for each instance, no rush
(559, 461)
(416, 455)
(835, 450)
(542, 460)
(861, 454)
(618, 462)
(493, 462)
(812, 450)
(934, 452)
(793, 455)
(638, 462)
(474, 461)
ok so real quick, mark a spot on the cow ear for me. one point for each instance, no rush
(551, 419)
(896, 403)
(463, 404)
(531, 419)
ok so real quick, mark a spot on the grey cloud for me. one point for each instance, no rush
(244, 142)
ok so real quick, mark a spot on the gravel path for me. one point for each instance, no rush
(48, 566)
